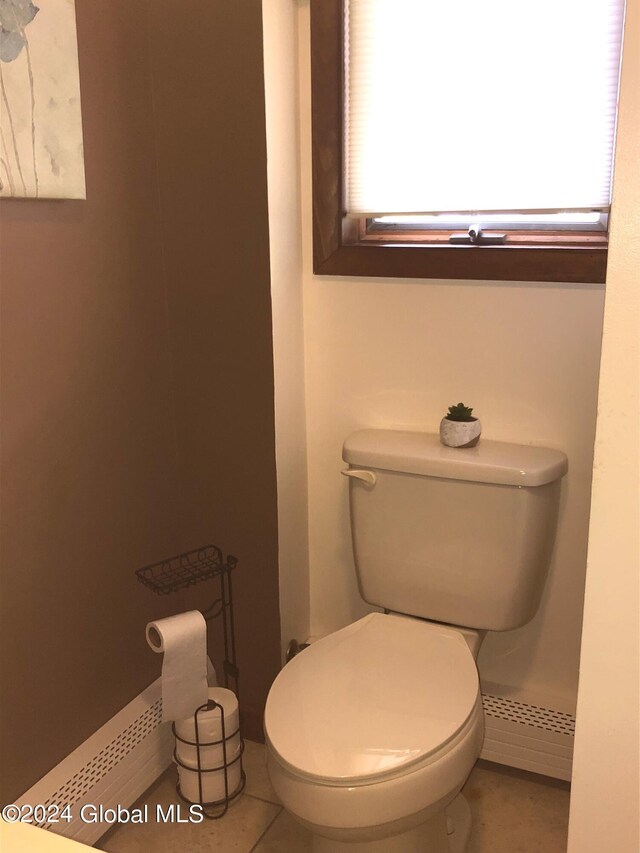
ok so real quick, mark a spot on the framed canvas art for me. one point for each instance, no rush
(41, 152)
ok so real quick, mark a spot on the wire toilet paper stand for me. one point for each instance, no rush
(213, 809)
(171, 575)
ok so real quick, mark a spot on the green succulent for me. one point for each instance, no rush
(460, 412)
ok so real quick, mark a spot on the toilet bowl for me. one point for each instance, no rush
(371, 733)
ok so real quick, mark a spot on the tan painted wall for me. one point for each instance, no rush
(606, 780)
(281, 68)
(137, 389)
(385, 353)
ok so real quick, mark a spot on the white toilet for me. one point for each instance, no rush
(372, 731)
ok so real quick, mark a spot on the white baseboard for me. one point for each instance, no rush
(529, 736)
(124, 757)
(113, 767)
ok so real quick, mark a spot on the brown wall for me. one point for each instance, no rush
(211, 146)
(137, 387)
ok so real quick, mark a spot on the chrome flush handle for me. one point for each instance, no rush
(366, 476)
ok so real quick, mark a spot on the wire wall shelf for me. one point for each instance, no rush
(185, 570)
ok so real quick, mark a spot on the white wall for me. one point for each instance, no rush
(386, 353)
(605, 790)
(280, 58)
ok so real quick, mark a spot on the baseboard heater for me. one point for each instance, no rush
(527, 736)
(124, 757)
(113, 767)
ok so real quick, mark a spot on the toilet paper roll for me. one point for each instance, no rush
(183, 640)
(210, 732)
(212, 678)
(213, 788)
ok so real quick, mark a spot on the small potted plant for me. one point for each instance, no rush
(459, 428)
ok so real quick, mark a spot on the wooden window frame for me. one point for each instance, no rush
(341, 246)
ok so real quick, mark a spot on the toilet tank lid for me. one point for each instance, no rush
(422, 453)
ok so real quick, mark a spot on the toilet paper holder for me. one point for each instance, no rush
(213, 809)
(175, 573)
(194, 567)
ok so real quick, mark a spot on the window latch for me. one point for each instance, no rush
(475, 236)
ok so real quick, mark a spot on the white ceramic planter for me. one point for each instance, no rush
(460, 433)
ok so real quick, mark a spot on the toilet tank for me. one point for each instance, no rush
(456, 535)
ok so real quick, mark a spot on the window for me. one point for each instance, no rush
(464, 140)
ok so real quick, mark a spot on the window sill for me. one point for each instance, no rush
(493, 263)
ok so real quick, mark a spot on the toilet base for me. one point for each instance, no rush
(445, 832)
(458, 816)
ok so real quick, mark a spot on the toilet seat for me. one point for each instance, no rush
(372, 701)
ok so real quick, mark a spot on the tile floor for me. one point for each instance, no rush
(513, 812)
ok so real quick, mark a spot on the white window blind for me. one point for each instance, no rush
(460, 105)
